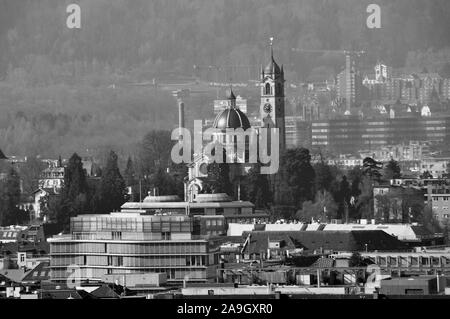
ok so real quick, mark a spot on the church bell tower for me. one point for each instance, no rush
(272, 108)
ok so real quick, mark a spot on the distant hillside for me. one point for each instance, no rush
(57, 91)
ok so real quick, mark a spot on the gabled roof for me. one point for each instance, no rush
(15, 275)
(421, 232)
(2, 155)
(39, 273)
(323, 263)
(259, 241)
(5, 281)
(105, 292)
(66, 294)
(13, 248)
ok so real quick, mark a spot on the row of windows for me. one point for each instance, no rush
(413, 261)
(123, 261)
(444, 198)
(78, 247)
(132, 248)
(91, 224)
(214, 222)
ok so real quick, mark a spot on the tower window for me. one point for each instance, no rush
(267, 89)
(278, 88)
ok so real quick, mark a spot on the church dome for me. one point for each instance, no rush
(231, 118)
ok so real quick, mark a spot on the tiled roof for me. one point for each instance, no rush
(326, 240)
(323, 263)
(66, 294)
(4, 281)
(259, 241)
(9, 234)
(15, 275)
(421, 231)
(39, 273)
(12, 248)
(105, 292)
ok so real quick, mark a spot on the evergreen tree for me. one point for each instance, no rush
(324, 177)
(75, 182)
(299, 175)
(219, 178)
(392, 170)
(371, 169)
(343, 198)
(112, 186)
(256, 188)
(163, 183)
(129, 174)
(74, 195)
(10, 214)
(155, 152)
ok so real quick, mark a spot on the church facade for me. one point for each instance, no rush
(272, 116)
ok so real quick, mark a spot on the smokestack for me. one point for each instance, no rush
(180, 116)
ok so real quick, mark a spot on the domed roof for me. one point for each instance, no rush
(231, 118)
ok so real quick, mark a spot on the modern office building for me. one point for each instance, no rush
(298, 132)
(352, 134)
(127, 243)
(349, 82)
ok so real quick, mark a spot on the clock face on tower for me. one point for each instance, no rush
(267, 108)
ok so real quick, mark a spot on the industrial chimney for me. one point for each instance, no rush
(180, 116)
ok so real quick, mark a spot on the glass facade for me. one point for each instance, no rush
(353, 134)
(108, 244)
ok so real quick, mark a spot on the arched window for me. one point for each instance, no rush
(267, 89)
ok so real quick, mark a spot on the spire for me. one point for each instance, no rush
(232, 97)
(271, 49)
(272, 67)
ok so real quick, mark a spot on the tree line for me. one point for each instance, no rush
(302, 190)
